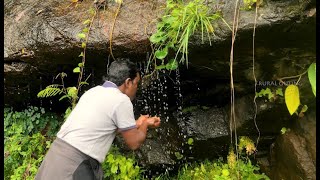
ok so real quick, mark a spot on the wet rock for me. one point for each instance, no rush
(206, 124)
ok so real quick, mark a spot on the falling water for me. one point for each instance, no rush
(160, 94)
(40, 90)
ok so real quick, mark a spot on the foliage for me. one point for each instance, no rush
(119, 167)
(71, 93)
(175, 28)
(234, 168)
(23, 155)
(217, 171)
(247, 144)
(30, 121)
(28, 136)
(271, 95)
(292, 96)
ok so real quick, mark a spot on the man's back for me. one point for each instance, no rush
(92, 125)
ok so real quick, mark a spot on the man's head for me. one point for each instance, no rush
(125, 75)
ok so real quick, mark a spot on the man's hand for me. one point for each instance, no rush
(136, 136)
(141, 119)
(153, 122)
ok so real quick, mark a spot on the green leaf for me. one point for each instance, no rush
(82, 35)
(85, 30)
(72, 91)
(283, 130)
(168, 19)
(81, 54)
(161, 54)
(157, 37)
(80, 65)
(161, 67)
(178, 155)
(83, 83)
(65, 96)
(67, 112)
(83, 44)
(304, 109)
(86, 22)
(292, 98)
(114, 169)
(49, 91)
(190, 141)
(269, 93)
(279, 92)
(312, 77)
(172, 65)
(76, 70)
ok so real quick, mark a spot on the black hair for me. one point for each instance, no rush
(120, 70)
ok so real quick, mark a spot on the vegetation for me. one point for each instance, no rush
(233, 168)
(291, 95)
(28, 136)
(71, 93)
(118, 167)
(180, 21)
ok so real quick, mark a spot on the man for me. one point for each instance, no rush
(87, 134)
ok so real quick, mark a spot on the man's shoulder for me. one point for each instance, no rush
(113, 93)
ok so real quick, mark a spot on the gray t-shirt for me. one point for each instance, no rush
(91, 127)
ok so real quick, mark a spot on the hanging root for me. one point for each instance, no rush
(254, 76)
(111, 32)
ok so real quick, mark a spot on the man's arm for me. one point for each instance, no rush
(135, 137)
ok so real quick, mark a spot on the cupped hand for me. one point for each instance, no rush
(154, 122)
(141, 119)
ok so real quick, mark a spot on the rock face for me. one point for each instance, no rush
(44, 35)
(293, 154)
(41, 41)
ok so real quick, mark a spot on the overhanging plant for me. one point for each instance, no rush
(181, 20)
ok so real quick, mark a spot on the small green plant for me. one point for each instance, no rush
(190, 141)
(175, 28)
(248, 4)
(271, 95)
(72, 93)
(247, 144)
(284, 130)
(118, 167)
(178, 155)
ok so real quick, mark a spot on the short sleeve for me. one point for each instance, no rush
(123, 116)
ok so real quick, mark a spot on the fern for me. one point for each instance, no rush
(49, 91)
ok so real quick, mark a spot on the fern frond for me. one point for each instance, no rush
(49, 92)
(83, 83)
(54, 86)
(65, 96)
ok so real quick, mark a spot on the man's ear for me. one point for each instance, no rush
(127, 82)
